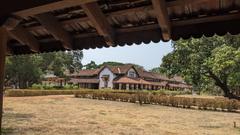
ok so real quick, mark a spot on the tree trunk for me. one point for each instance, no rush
(223, 86)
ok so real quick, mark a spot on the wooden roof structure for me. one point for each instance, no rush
(55, 25)
(37, 26)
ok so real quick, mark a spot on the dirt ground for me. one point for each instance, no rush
(66, 115)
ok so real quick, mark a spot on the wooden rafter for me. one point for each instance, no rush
(206, 19)
(55, 28)
(160, 10)
(183, 2)
(99, 21)
(24, 37)
(50, 7)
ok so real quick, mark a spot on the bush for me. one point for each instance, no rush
(154, 98)
(23, 93)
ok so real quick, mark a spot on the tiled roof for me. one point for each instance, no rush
(86, 72)
(120, 69)
(123, 69)
(179, 85)
(129, 80)
(133, 21)
(75, 81)
(163, 83)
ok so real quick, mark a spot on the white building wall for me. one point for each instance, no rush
(106, 71)
(132, 70)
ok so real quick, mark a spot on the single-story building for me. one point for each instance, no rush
(125, 77)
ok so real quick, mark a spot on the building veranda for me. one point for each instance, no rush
(127, 77)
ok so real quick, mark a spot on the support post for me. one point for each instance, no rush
(132, 86)
(136, 86)
(127, 86)
(120, 86)
(3, 46)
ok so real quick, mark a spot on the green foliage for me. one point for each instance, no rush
(111, 63)
(26, 70)
(91, 65)
(142, 97)
(158, 70)
(206, 62)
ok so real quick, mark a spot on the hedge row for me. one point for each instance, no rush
(23, 93)
(26, 92)
(217, 104)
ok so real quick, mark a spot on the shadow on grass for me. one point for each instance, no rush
(8, 115)
(7, 131)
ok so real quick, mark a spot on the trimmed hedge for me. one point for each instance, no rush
(217, 104)
(26, 92)
(23, 93)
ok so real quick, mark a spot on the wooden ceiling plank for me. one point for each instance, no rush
(160, 9)
(206, 19)
(53, 26)
(50, 7)
(24, 37)
(99, 21)
(184, 2)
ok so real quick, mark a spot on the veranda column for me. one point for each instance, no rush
(120, 86)
(149, 87)
(141, 86)
(146, 87)
(132, 86)
(127, 86)
(136, 86)
(3, 44)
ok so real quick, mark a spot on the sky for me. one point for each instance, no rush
(146, 55)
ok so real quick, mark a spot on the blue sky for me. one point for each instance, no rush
(147, 55)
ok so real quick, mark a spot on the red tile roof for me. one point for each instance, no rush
(129, 80)
(75, 81)
(86, 72)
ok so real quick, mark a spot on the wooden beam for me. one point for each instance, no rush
(99, 21)
(82, 19)
(53, 26)
(24, 37)
(160, 9)
(50, 7)
(3, 46)
(206, 19)
(184, 2)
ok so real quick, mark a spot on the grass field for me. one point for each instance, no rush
(66, 115)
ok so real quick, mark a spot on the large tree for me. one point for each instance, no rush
(23, 71)
(27, 69)
(91, 65)
(204, 60)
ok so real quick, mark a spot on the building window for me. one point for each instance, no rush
(105, 79)
(131, 74)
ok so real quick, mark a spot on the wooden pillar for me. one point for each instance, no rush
(146, 87)
(136, 86)
(132, 86)
(119, 86)
(3, 45)
(127, 86)
(141, 86)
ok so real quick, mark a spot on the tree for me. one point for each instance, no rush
(216, 58)
(91, 65)
(76, 61)
(111, 63)
(23, 70)
(27, 69)
(158, 70)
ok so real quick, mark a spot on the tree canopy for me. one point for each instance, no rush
(206, 60)
(25, 70)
